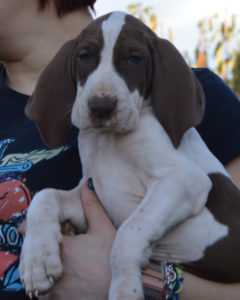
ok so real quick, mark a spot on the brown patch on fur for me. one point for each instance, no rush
(177, 96)
(133, 44)
(221, 261)
(50, 105)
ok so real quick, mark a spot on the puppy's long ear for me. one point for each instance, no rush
(177, 96)
(50, 105)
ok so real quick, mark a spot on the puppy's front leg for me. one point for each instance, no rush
(40, 261)
(168, 201)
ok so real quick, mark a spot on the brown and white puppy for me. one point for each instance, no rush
(136, 103)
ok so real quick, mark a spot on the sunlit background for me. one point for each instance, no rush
(206, 32)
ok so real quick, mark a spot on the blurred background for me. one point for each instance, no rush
(206, 32)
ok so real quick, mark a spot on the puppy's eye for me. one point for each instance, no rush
(134, 59)
(84, 56)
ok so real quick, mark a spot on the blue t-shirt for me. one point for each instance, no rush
(220, 127)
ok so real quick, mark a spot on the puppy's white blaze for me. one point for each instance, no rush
(111, 29)
(104, 79)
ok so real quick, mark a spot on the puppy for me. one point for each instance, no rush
(135, 102)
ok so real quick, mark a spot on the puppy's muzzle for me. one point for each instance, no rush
(102, 108)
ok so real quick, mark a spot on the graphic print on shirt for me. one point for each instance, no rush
(15, 198)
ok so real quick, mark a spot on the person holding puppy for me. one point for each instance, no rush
(37, 30)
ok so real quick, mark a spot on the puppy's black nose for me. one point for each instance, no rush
(102, 107)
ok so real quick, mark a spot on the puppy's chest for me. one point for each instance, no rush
(119, 183)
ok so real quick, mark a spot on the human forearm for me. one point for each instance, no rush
(198, 289)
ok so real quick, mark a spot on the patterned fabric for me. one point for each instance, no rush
(26, 166)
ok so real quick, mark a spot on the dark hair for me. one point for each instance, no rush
(65, 6)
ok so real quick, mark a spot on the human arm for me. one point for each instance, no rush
(194, 287)
(198, 289)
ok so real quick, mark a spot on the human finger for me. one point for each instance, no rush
(94, 211)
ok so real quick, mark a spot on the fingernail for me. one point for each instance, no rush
(90, 184)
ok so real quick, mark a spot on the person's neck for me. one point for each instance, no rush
(22, 74)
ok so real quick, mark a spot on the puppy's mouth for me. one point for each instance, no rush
(102, 123)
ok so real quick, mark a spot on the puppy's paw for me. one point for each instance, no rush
(127, 286)
(40, 262)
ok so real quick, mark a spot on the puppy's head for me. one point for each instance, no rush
(106, 75)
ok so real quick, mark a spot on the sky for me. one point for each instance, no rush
(182, 16)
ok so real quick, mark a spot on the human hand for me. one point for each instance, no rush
(86, 257)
